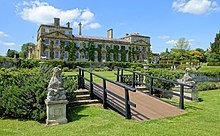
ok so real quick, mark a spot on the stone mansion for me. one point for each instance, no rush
(57, 42)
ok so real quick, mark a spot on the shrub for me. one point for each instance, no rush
(65, 69)
(165, 74)
(203, 86)
(213, 64)
(22, 92)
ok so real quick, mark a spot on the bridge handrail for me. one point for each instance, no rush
(166, 80)
(111, 81)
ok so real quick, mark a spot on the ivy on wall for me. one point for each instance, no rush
(108, 52)
(91, 49)
(99, 50)
(71, 48)
(51, 48)
(62, 50)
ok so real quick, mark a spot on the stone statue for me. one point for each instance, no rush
(187, 79)
(55, 88)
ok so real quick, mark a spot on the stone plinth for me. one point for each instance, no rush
(56, 112)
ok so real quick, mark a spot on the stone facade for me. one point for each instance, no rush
(53, 39)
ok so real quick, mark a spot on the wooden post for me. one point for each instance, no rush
(127, 106)
(79, 79)
(151, 86)
(91, 86)
(83, 81)
(122, 72)
(104, 95)
(181, 103)
(117, 75)
(133, 80)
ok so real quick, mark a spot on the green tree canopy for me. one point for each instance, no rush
(214, 55)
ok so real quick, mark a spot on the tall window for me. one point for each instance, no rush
(111, 46)
(103, 46)
(134, 48)
(87, 56)
(87, 45)
(66, 55)
(135, 57)
(119, 57)
(77, 44)
(126, 59)
(56, 54)
(77, 55)
(103, 57)
(66, 43)
(47, 54)
(96, 55)
(141, 48)
(141, 58)
(47, 30)
(95, 45)
(126, 47)
(47, 42)
(111, 56)
(119, 47)
(57, 42)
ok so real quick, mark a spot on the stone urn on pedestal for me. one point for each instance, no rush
(56, 100)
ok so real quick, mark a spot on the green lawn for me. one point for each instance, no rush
(210, 69)
(107, 74)
(203, 118)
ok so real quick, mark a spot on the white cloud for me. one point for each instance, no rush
(42, 13)
(171, 42)
(196, 7)
(7, 43)
(191, 42)
(93, 26)
(2, 34)
(165, 37)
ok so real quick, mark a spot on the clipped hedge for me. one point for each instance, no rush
(23, 91)
(204, 86)
(213, 64)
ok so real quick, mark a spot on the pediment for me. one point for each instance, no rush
(57, 35)
(141, 42)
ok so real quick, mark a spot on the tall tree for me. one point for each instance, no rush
(215, 49)
(24, 49)
(182, 44)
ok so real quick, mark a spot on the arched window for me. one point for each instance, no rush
(77, 55)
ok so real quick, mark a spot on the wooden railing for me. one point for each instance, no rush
(137, 79)
(92, 85)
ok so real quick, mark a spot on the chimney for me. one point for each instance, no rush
(56, 21)
(80, 28)
(126, 34)
(68, 24)
(110, 33)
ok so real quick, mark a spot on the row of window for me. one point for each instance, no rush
(80, 56)
(56, 42)
(56, 54)
(47, 30)
(110, 45)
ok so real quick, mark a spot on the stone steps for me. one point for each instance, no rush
(83, 98)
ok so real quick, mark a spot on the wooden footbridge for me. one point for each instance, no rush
(126, 99)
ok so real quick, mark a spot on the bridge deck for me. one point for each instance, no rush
(147, 107)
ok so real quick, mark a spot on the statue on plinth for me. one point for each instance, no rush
(55, 88)
(56, 100)
(187, 79)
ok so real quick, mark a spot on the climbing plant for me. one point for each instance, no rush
(91, 49)
(51, 48)
(62, 50)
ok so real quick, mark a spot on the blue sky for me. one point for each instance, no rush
(164, 21)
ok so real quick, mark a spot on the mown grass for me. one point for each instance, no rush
(203, 118)
(107, 74)
(210, 69)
